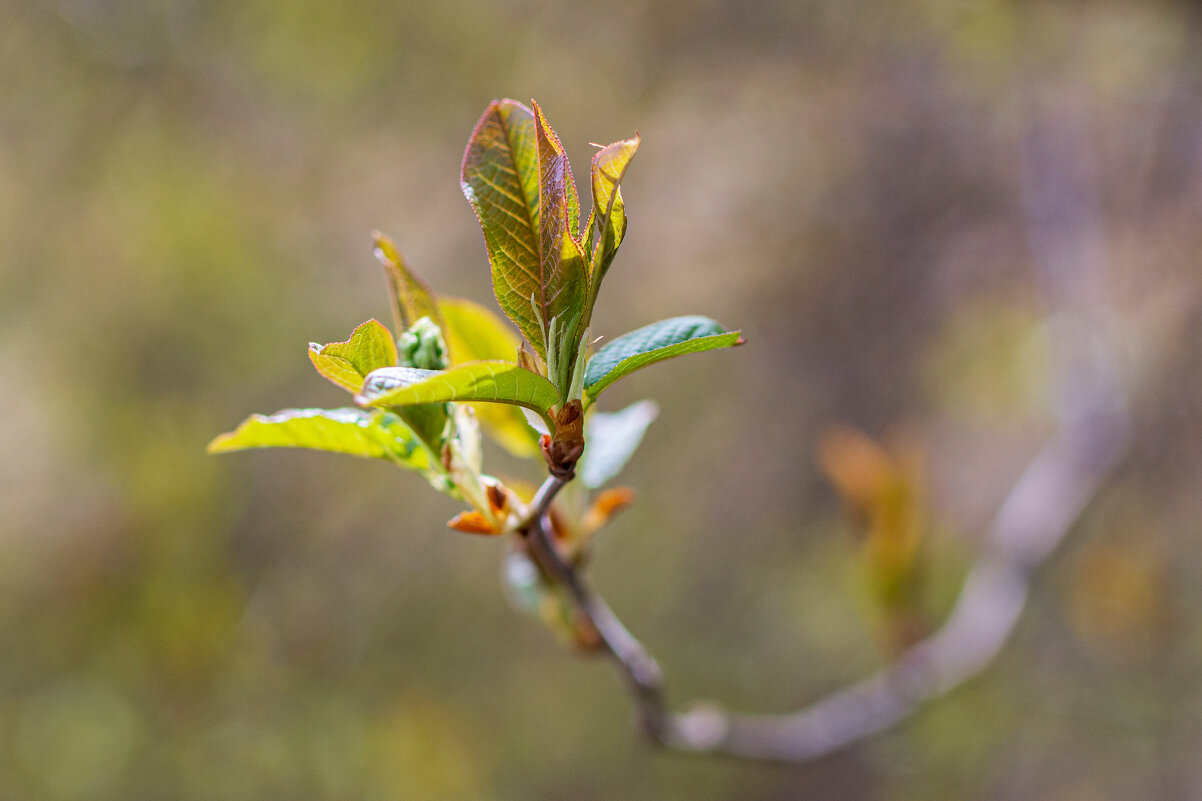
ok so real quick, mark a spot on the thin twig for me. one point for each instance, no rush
(643, 677)
(1045, 502)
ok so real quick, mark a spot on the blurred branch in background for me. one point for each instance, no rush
(1049, 497)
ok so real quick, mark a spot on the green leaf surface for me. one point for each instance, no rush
(412, 298)
(495, 382)
(608, 169)
(369, 434)
(369, 348)
(612, 438)
(653, 343)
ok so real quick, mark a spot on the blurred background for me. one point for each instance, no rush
(895, 201)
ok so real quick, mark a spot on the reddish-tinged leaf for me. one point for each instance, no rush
(517, 180)
(499, 177)
(564, 281)
(608, 169)
(554, 171)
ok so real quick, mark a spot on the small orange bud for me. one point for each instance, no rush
(497, 498)
(608, 503)
(473, 523)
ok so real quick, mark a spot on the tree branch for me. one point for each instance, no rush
(642, 674)
(1046, 501)
(1044, 504)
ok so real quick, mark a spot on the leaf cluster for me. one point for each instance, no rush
(449, 369)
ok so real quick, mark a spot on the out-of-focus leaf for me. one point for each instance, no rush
(412, 298)
(474, 333)
(370, 347)
(473, 523)
(607, 505)
(525, 584)
(608, 168)
(883, 488)
(611, 439)
(495, 382)
(653, 343)
(369, 434)
(525, 240)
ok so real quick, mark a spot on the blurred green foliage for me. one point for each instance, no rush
(186, 196)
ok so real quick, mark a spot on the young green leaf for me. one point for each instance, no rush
(518, 187)
(412, 298)
(369, 434)
(474, 333)
(370, 347)
(496, 382)
(608, 169)
(612, 438)
(652, 343)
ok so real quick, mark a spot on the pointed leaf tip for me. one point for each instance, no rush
(653, 343)
(412, 297)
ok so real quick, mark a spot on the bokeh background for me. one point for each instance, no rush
(186, 195)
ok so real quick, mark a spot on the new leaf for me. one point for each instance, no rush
(412, 298)
(517, 180)
(653, 343)
(496, 382)
(368, 434)
(370, 347)
(609, 167)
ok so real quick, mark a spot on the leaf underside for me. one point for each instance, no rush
(495, 382)
(653, 343)
(612, 439)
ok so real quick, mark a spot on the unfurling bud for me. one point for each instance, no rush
(423, 346)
